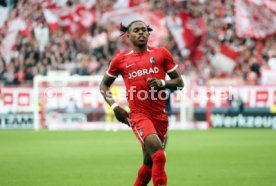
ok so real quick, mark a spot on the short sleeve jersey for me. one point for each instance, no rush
(135, 69)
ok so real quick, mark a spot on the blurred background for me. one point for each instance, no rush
(54, 53)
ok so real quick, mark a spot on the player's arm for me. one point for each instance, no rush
(175, 83)
(119, 112)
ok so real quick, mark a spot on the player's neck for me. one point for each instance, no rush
(140, 48)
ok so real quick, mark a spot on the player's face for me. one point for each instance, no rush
(138, 33)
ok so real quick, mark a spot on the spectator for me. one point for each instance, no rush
(37, 50)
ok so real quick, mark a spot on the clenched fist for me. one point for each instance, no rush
(156, 83)
(121, 115)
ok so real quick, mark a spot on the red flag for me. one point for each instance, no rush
(125, 16)
(229, 52)
(8, 42)
(51, 19)
(188, 32)
(225, 60)
(75, 20)
(254, 18)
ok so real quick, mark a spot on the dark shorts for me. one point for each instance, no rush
(144, 125)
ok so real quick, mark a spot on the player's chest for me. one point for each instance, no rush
(139, 67)
(144, 63)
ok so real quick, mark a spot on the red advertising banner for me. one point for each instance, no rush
(20, 99)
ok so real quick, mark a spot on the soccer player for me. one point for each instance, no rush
(143, 69)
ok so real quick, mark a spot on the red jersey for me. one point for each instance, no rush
(135, 69)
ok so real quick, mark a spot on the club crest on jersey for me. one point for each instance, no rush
(152, 60)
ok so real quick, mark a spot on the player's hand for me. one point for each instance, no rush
(153, 82)
(121, 115)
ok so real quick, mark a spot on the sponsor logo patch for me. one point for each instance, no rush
(143, 72)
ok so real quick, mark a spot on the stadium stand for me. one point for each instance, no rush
(39, 48)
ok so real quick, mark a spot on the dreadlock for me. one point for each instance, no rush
(124, 29)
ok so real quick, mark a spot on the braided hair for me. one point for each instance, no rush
(124, 29)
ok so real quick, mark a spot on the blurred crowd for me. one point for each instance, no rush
(79, 56)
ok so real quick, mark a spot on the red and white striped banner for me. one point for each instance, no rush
(16, 99)
(20, 99)
(73, 19)
(225, 60)
(14, 27)
(142, 12)
(124, 4)
(187, 31)
(255, 18)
